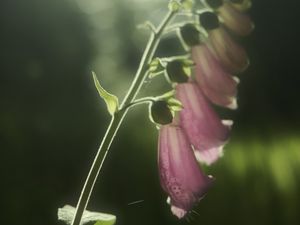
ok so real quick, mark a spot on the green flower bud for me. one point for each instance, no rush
(160, 112)
(209, 20)
(190, 34)
(176, 71)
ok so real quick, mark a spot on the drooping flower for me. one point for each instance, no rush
(215, 82)
(232, 56)
(219, 86)
(180, 174)
(204, 129)
(235, 20)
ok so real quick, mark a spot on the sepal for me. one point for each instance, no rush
(156, 67)
(179, 71)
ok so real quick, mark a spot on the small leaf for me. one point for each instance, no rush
(111, 101)
(66, 214)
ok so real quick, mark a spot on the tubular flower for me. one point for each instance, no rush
(204, 129)
(180, 174)
(232, 56)
(217, 84)
(235, 20)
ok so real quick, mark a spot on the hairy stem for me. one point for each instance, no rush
(117, 119)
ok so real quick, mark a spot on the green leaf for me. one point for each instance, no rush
(66, 214)
(112, 102)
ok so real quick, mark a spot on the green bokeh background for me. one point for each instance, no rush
(52, 120)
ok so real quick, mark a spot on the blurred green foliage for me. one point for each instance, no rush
(52, 120)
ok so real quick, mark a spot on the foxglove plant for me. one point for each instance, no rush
(190, 131)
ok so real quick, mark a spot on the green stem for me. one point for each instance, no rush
(139, 101)
(118, 118)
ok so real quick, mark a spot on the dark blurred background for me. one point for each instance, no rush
(52, 120)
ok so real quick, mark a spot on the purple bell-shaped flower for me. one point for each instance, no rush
(180, 174)
(203, 127)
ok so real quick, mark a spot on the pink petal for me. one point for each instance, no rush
(180, 213)
(209, 156)
(235, 20)
(180, 174)
(217, 84)
(202, 125)
(231, 55)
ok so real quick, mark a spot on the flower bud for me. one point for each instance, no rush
(190, 34)
(209, 20)
(175, 72)
(160, 113)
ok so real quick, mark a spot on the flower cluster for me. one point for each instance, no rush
(197, 134)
